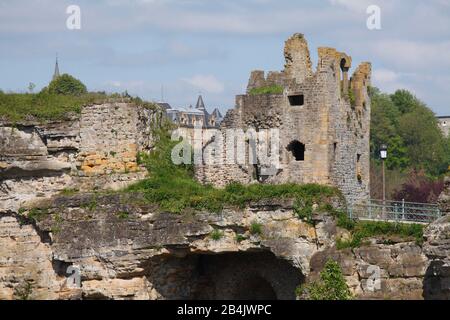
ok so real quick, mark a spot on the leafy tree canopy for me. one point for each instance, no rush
(66, 85)
(410, 130)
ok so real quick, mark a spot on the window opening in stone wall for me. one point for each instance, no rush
(297, 100)
(297, 149)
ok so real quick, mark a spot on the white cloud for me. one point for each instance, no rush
(126, 85)
(208, 83)
(384, 75)
(353, 5)
(412, 55)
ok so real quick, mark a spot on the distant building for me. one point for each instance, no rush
(191, 117)
(56, 72)
(444, 124)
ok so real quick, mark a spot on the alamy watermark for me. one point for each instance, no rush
(73, 21)
(232, 146)
(374, 281)
(374, 20)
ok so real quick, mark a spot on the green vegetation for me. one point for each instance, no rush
(240, 238)
(256, 228)
(24, 290)
(274, 89)
(361, 230)
(69, 191)
(44, 106)
(123, 215)
(64, 96)
(410, 130)
(56, 227)
(216, 234)
(66, 85)
(331, 286)
(351, 98)
(38, 214)
(175, 190)
(92, 204)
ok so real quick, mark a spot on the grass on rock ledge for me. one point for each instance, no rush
(175, 190)
(274, 89)
(45, 106)
(362, 230)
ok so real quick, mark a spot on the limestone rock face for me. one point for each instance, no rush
(444, 198)
(437, 249)
(96, 149)
(26, 260)
(122, 249)
(378, 271)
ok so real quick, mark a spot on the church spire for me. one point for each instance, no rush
(56, 73)
(200, 104)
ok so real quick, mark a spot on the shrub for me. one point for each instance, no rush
(66, 85)
(216, 234)
(331, 286)
(420, 188)
(256, 228)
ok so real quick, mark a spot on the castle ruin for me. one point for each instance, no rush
(323, 120)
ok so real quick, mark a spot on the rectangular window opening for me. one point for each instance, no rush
(297, 100)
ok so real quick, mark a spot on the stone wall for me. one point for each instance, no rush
(94, 150)
(332, 121)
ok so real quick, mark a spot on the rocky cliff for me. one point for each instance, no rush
(125, 249)
(437, 249)
(93, 150)
(115, 245)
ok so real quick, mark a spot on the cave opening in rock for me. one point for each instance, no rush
(229, 276)
(254, 288)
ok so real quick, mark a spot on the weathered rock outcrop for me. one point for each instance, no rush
(94, 150)
(437, 249)
(125, 249)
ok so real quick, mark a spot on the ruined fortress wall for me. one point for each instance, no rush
(350, 170)
(332, 121)
(94, 150)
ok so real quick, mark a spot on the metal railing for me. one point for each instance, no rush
(396, 211)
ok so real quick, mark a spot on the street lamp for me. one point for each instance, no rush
(383, 151)
(383, 156)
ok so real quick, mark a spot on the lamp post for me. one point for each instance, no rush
(383, 156)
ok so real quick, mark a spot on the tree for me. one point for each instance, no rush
(331, 286)
(66, 85)
(410, 130)
(425, 141)
(405, 101)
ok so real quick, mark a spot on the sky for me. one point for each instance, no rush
(187, 47)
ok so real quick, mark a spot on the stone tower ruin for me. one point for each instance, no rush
(323, 118)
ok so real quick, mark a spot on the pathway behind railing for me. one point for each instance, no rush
(395, 211)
